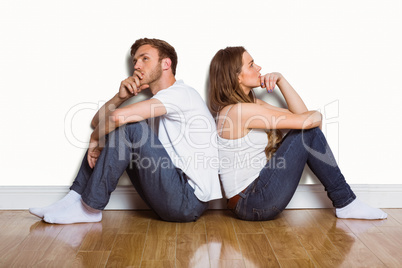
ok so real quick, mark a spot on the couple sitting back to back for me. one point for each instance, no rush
(165, 167)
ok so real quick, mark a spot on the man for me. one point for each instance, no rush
(167, 170)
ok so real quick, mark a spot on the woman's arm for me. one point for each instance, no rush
(269, 106)
(258, 116)
(293, 100)
(244, 116)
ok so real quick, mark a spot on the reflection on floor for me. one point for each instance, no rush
(298, 238)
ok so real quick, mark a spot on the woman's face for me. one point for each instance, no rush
(249, 76)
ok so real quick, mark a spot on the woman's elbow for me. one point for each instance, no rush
(313, 120)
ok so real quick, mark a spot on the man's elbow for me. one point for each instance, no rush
(93, 124)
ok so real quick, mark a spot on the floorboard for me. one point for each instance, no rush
(296, 238)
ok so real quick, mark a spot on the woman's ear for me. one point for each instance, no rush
(166, 63)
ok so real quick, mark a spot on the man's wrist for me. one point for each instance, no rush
(120, 100)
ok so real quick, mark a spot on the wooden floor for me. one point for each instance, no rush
(298, 238)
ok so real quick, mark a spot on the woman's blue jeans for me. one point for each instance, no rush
(272, 191)
(136, 149)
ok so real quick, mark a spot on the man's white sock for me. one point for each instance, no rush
(359, 210)
(75, 213)
(62, 204)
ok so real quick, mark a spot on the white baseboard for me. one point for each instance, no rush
(125, 197)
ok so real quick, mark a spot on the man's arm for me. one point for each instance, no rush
(128, 88)
(132, 113)
(106, 109)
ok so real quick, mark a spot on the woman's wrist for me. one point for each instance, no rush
(280, 77)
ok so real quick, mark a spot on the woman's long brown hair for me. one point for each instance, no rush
(224, 89)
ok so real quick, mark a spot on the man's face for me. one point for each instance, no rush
(146, 60)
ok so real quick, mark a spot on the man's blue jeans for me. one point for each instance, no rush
(136, 149)
(271, 192)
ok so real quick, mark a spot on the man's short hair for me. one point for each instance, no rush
(164, 50)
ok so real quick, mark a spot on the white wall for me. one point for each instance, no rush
(60, 59)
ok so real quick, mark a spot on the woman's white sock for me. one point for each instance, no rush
(359, 210)
(62, 204)
(75, 213)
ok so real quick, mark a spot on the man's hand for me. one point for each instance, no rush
(93, 152)
(131, 86)
(269, 81)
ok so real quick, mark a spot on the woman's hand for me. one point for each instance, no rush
(269, 81)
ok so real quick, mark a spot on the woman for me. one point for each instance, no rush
(260, 171)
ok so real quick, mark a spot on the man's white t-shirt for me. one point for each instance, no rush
(188, 133)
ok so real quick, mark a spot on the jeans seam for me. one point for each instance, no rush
(347, 202)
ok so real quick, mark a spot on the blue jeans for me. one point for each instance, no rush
(136, 149)
(272, 191)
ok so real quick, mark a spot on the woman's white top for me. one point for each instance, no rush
(241, 160)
